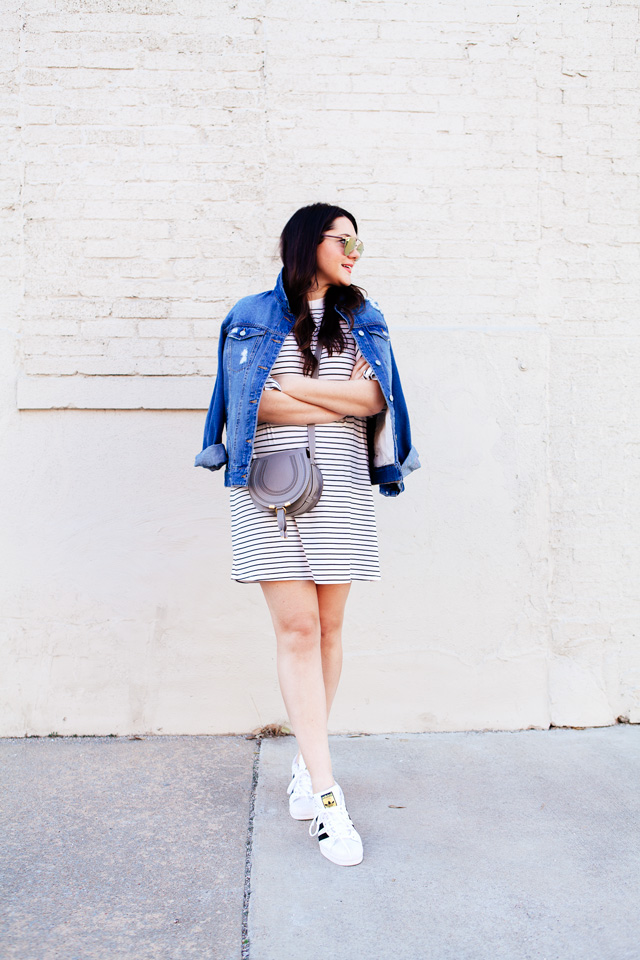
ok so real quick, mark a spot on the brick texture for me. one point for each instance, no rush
(490, 152)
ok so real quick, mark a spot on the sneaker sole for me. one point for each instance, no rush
(342, 863)
(301, 814)
(306, 816)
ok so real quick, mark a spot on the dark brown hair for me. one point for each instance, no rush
(299, 251)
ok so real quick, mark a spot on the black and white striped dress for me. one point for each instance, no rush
(336, 542)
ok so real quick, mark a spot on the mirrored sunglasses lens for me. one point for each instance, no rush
(353, 244)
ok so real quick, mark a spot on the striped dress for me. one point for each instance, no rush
(336, 541)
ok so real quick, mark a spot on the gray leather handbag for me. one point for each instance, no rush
(288, 482)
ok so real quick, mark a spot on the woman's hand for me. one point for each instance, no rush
(359, 369)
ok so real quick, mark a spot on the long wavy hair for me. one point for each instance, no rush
(299, 252)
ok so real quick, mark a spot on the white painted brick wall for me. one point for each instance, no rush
(153, 151)
(163, 147)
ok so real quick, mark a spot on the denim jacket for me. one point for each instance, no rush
(251, 336)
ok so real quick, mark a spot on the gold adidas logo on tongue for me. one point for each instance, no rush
(329, 800)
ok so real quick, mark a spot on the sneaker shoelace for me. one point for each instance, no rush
(336, 822)
(299, 786)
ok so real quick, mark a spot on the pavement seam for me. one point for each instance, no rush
(244, 936)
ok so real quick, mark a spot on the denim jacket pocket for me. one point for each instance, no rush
(382, 346)
(241, 346)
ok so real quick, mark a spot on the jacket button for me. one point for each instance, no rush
(361, 333)
(242, 333)
(248, 441)
(391, 396)
(377, 363)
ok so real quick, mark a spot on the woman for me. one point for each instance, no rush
(266, 395)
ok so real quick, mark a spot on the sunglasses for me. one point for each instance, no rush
(350, 243)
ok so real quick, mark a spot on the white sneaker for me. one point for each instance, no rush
(338, 838)
(300, 791)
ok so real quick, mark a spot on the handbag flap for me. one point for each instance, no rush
(279, 479)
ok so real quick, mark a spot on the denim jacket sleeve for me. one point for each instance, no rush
(407, 454)
(213, 454)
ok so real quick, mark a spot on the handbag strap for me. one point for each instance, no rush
(311, 427)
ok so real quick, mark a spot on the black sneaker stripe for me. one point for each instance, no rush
(324, 835)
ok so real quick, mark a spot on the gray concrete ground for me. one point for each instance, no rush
(118, 848)
(478, 846)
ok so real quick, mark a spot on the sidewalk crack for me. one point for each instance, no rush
(249, 850)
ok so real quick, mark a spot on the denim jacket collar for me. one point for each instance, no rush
(281, 295)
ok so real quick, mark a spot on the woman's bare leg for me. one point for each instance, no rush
(332, 598)
(295, 612)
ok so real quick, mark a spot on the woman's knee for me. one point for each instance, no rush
(331, 642)
(331, 629)
(299, 635)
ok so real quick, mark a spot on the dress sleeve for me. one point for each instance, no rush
(271, 384)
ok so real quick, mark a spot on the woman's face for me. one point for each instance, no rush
(333, 267)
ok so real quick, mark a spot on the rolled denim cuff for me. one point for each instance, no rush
(212, 457)
(410, 463)
(391, 489)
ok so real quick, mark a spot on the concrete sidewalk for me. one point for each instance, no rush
(478, 846)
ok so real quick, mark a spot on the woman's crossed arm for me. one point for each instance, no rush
(355, 397)
(280, 407)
